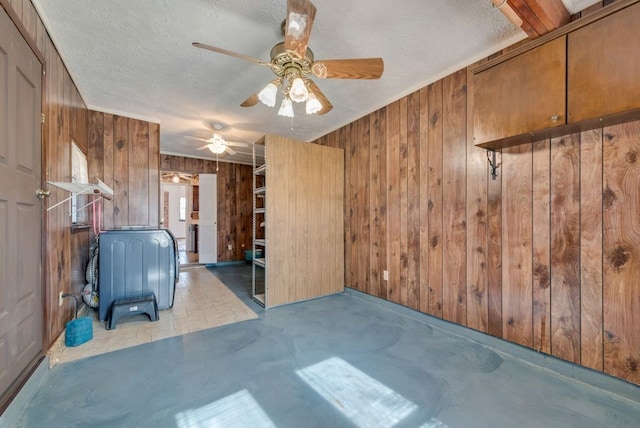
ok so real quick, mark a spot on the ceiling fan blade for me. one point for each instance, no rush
(364, 68)
(237, 144)
(196, 138)
(300, 16)
(230, 53)
(229, 150)
(206, 146)
(326, 105)
(251, 101)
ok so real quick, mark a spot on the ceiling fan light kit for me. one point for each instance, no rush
(294, 62)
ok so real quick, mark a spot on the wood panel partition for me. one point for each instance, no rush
(545, 256)
(304, 251)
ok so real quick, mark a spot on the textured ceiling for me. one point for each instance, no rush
(135, 58)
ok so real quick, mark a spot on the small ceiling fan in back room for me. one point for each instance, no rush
(293, 64)
(218, 145)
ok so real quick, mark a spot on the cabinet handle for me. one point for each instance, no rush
(555, 117)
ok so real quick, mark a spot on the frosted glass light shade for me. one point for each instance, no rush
(298, 91)
(268, 95)
(313, 105)
(286, 108)
(217, 148)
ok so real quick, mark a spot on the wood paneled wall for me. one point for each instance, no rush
(235, 207)
(125, 154)
(65, 119)
(546, 256)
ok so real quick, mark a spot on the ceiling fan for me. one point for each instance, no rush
(218, 145)
(293, 64)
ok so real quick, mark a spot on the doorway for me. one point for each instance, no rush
(179, 208)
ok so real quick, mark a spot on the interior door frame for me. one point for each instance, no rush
(11, 393)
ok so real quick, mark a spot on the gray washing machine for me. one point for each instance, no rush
(135, 261)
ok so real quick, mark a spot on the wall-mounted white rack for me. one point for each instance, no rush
(100, 189)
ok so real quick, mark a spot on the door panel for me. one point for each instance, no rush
(20, 210)
(208, 219)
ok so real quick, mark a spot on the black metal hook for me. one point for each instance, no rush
(491, 157)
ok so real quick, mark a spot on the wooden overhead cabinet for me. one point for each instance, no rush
(604, 66)
(521, 95)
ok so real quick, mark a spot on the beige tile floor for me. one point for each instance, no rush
(201, 302)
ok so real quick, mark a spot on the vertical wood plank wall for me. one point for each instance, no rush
(65, 119)
(124, 153)
(235, 207)
(547, 255)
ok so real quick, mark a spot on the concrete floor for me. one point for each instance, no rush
(343, 361)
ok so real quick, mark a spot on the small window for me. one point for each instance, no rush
(79, 174)
(183, 208)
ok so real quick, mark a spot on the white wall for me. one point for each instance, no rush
(177, 227)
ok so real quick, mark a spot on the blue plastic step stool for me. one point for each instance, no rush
(142, 304)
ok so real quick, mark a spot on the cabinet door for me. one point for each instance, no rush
(521, 95)
(604, 66)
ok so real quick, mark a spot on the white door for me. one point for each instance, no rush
(208, 222)
(20, 210)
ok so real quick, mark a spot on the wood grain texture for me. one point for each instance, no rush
(364, 213)
(376, 264)
(291, 214)
(591, 350)
(517, 230)
(595, 87)
(126, 154)
(454, 197)
(394, 253)
(476, 211)
(120, 150)
(533, 200)
(381, 199)
(565, 248)
(343, 138)
(435, 207)
(528, 89)
(108, 209)
(154, 175)
(138, 163)
(423, 153)
(403, 211)
(541, 188)
(494, 251)
(621, 227)
(351, 145)
(413, 200)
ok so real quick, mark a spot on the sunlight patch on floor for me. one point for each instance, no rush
(364, 400)
(236, 410)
